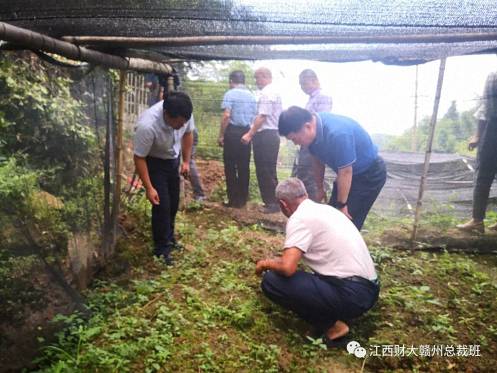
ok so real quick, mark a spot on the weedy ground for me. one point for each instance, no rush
(207, 313)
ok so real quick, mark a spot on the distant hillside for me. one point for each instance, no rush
(382, 140)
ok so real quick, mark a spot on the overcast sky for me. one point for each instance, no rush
(381, 97)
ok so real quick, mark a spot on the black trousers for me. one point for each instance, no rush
(320, 300)
(486, 168)
(266, 148)
(164, 176)
(302, 168)
(236, 158)
(364, 190)
(198, 191)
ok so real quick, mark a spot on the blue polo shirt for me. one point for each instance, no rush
(242, 105)
(341, 142)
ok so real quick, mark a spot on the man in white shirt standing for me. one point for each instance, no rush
(266, 139)
(162, 131)
(343, 284)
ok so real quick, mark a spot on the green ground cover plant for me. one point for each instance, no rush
(207, 312)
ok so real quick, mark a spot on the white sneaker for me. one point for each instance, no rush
(492, 227)
(472, 226)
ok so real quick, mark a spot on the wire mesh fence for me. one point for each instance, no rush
(449, 188)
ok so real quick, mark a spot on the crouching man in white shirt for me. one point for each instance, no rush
(343, 284)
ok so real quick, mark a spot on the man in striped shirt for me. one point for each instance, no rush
(318, 102)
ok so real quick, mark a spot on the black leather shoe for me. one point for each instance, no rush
(177, 246)
(340, 342)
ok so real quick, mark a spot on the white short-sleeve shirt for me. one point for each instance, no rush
(269, 104)
(155, 138)
(330, 242)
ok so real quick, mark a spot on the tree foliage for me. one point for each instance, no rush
(451, 133)
(49, 180)
(40, 119)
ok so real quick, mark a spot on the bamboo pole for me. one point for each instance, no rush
(107, 231)
(433, 123)
(116, 202)
(279, 39)
(182, 187)
(170, 84)
(415, 124)
(34, 40)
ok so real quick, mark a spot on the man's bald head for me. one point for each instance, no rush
(263, 77)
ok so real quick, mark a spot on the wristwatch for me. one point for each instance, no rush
(340, 205)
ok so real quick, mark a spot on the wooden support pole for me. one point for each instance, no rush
(433, 123)
(184, 41)
(414, 143)
(170, 84)
(34, 40)
(107, 228)
(116, 202)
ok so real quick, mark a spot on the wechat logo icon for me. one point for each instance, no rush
(355, 348)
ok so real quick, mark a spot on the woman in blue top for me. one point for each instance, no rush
(342, 144)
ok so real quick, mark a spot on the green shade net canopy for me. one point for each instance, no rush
(391, 31)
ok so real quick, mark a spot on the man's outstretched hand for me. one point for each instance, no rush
(260, 267)
(473, 142)
(185, 169)
(345, 211)
(246, 139)
(153, 196)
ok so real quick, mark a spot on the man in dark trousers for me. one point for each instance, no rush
(342, 144)
(198, 190)
(239, 109)
(486, 159)
(266, 141)
(343, 284)
(162, 132)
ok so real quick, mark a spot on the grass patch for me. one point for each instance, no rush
(207, 313)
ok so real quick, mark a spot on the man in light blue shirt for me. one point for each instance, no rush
(239, 107)
(162, 132)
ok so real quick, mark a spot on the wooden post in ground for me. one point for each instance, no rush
(116, 202)
(182, 186)
(107, 228)
(415, 124)
(429, 145)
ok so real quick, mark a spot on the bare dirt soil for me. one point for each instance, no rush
(429, 238)
(19, 343)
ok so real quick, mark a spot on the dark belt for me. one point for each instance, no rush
(237, 126)
(362, 280)
(336, 280)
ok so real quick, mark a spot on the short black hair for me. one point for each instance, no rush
(237, 77)
(293, 119)
(178, 104)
